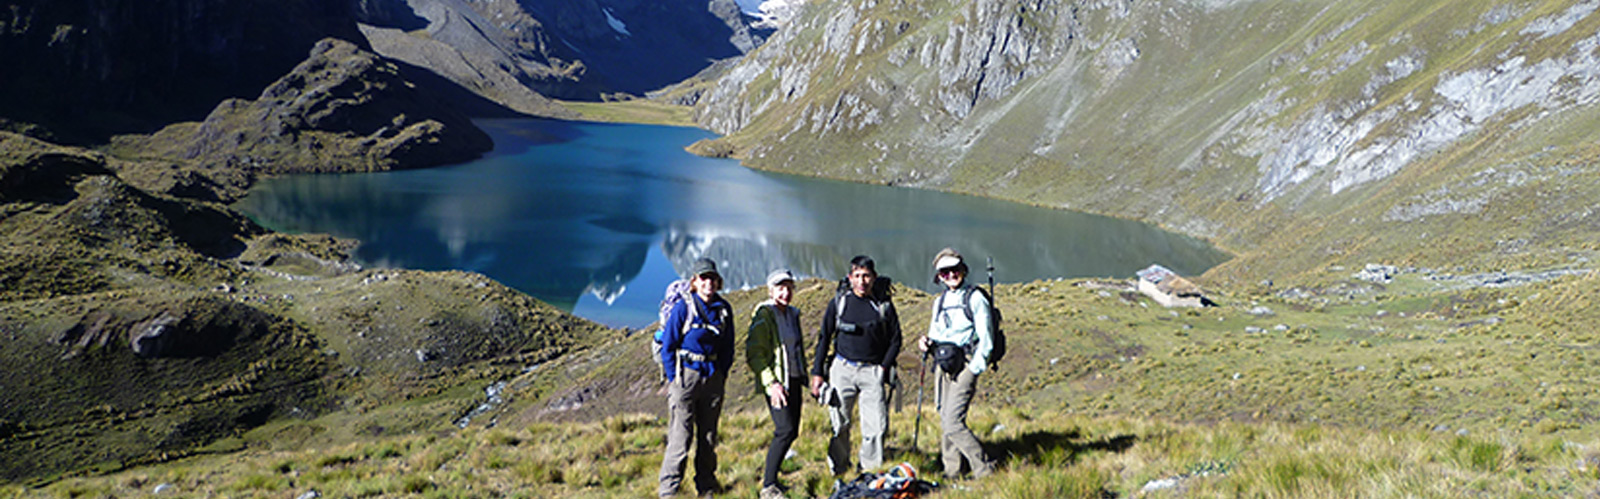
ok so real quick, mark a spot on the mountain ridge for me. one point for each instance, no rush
(1246, 123)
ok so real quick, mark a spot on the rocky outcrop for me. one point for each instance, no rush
(467, 50)
(568, 49)
(88, 69)
(341, 110)
(1253, 124)
(948, 69)
(199, 327)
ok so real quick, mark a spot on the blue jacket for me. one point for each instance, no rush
(710, 334)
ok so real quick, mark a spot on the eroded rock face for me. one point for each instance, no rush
(343, 109)
(575, 49)
(981, 57)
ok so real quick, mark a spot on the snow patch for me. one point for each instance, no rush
(774, 14)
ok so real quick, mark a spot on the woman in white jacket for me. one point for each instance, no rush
(960, 339)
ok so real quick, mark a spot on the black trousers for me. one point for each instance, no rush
(785, 428)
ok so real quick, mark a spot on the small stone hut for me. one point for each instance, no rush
(1168, 288)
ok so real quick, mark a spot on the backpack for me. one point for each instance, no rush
(997, 334)
(880, 292)
(676, 292)
(900, 482)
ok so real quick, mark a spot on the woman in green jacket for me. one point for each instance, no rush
(777, 357)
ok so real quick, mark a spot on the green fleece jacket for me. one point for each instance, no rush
(764, 348)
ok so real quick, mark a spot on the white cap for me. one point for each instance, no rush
(777, 277)
(945, 262)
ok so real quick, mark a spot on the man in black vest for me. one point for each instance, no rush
(863, 331)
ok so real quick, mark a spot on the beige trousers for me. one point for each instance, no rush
(956, 442)
(861, 384)
(695, 404)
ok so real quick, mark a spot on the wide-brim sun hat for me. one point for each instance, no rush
(947, 258)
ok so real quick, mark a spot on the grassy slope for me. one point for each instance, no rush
(257, 326)
(1405, 390)
(632, 111)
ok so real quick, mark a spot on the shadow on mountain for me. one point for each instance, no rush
(397, 14)
(453, 94)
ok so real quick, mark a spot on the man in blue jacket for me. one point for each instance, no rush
(696, 354)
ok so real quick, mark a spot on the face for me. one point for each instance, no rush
(861, 281)
(952, 276)
(781, 292)
(706, 285)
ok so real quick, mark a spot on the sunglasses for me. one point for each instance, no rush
(949, 271)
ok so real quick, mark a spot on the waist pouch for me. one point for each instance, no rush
(697, 357)
(950, 357)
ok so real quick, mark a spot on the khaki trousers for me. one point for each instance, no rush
(863, 384)
(956, 441)
(695, 404)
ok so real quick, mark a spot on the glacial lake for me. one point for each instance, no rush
(597, 218)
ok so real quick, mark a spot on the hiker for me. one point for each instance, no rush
(777, 358)
(696, 355)
(961, 344)
(861, 327)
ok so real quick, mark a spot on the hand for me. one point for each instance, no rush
(777, 396)
(922, 343)
(816, 386)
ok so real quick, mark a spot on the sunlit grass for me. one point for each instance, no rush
(1042, 454)
(1408, 393)
(633, 111)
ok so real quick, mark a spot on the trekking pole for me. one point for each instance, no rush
(922, 376)
(992, 299)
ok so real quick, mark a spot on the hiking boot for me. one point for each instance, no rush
(709, 490)
(771, 492)
(984, 469)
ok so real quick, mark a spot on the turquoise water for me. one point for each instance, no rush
(598, 218)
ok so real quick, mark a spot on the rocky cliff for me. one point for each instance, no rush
(577, 50)
(1298, 134)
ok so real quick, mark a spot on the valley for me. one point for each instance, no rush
(1407, 190)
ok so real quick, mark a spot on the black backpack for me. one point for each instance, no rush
(995, 320)
(881, 289)
(880, 293)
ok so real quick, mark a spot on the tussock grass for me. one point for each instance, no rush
(1042, 454)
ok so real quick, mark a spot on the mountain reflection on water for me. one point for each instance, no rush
(597, 218)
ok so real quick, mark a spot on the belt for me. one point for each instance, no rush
(853, 363)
